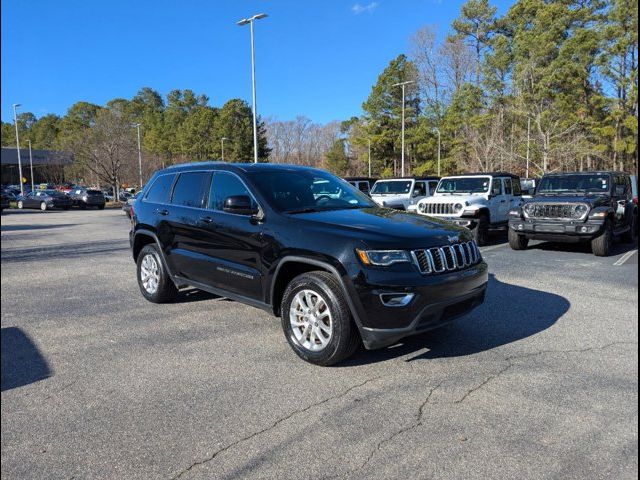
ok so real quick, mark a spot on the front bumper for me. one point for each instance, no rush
(435, 301)
(558, 231)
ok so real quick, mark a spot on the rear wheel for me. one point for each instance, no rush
(153, 278)
(481, 230)
(517, 241)
(101, 207)
(316, 319)
(601, 245)
(20, 205)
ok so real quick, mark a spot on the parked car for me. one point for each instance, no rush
(478, 201)
(401, 193)
(45, 200)
(127, 207)
(124, 196)
(86, 197)
(336, 270)
(594, 207)
(363, 184)
(5, 201)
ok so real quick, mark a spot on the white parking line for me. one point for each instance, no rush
(493, 247)
(625, 257)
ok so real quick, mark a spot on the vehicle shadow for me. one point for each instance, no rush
(195, 295)
(22, 362)
(499, 321)
(16, 228)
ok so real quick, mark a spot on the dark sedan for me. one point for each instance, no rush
(45, 200)
(86, 197)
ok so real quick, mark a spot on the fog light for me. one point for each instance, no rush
(584, 229)
(396, 299)
(521, 227)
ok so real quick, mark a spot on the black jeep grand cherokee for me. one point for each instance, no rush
(337, 268)
(594, 207)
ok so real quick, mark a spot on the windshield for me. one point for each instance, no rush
(299, 191)
(464, 185)
(575, 184)
(391, 187)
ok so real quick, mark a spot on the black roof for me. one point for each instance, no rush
(244, 167)
(429, 177)
(9, 156)
(592, 172)
(360, 179)
(487, 174)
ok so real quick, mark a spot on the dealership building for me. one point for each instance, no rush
(48, 165)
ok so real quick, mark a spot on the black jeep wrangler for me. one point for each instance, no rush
(594, 207)
(338, 269)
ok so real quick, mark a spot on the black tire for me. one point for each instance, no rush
(83, 206)
(601, 245)
(166, 290)
(632, 235)
(66, 207)
(481, 230)
(345, 337)
(100, 207)
(517, 241)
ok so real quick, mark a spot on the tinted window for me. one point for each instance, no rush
(496, 187)
(517, 188)
(191, 189)
(507, 186)
(432, 187)
(419, 190)
(226, 185)
(363, 187)
(159, 191)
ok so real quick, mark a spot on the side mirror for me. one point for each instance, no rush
(240, 205)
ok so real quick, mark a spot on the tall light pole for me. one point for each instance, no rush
(528, 143)
(138, 125)
(242, 22)
(437, 130)
(15, 121)
(222, 142)
(33, 187)
(402, 84)
(369, 158)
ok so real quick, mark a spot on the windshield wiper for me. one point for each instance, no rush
(302, 210)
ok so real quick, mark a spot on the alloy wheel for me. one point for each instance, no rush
(149, 274)
(311, 320)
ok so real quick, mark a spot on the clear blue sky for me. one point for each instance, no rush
(314, 58)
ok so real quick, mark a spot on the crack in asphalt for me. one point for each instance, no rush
(272, 426)
(512, 359)
(419, 416)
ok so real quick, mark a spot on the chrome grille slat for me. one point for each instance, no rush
(554, 211)
(446, 258)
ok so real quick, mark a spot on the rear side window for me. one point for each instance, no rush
(191, 189)
(225, 185)
(432, 188)
(517, 188)
(159, 191)
(507, 186)
(363, 187)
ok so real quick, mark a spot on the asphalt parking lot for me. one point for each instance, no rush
(540, 382)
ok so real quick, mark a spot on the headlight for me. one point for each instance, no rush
(457, 208)
(528, 208)
(382, 258)
(422, 207)
(580, 211)
(85, 198)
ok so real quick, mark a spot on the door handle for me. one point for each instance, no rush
(207, 220)
(163, 212)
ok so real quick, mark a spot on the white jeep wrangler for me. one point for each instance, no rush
(479, 201)
(403, 193)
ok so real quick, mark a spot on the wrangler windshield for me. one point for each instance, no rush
(575, 184)
(464, 185)
(391, 187)
(301, 191)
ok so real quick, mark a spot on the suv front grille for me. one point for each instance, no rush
(556, 211)
(448, 258)
(437, 208)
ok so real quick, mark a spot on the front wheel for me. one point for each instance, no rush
(481, 230)
(316, 319)
(100, 207)
(20, 205)
(43, 206)
(601, 245)
(153, 278)
(517, 241)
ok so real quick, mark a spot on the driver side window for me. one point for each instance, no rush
(226, 185)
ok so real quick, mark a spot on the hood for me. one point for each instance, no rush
(384, 227)
(592, 200)
(389, 199)
(463, 199)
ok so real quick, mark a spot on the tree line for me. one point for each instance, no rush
(549, 86)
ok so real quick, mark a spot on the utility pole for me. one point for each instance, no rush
(242, 22)
(222, 142)
(137, 125)
(528, 143)
(15, 121)
(402, 84)
(369, 158)
(437, 130)
(33, 187)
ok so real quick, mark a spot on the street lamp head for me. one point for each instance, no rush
(242, 22)
(245, 21)
(16, 105)
(224, 138)
(403, 83)
(259, 16)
